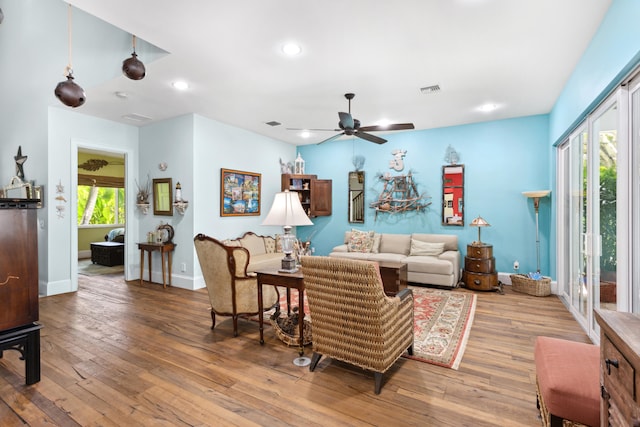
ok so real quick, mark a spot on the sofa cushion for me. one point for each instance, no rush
(387, 257)
(450, 241)
(361, 241)
(232, 243)
(352, 255)
(425, 248)
(428, 264)
(253, 243)
(395, 243)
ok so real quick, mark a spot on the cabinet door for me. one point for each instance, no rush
(321, 197)
(18, 267)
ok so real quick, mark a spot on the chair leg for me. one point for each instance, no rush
(235, 325)
(314, 361)
(213, 319)
(378, 378)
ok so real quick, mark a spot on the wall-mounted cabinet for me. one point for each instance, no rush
(314, 193)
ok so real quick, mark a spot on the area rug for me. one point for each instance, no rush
(87, 268)
(442, 323)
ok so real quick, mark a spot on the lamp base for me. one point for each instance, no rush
(288, 265)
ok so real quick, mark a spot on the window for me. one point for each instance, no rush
(100, 205)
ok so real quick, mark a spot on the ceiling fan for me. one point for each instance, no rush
(350, 126)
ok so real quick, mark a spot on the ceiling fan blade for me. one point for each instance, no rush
(316, 130)
(370, 138)
(393, 126)
(346, 120)
(332, 138)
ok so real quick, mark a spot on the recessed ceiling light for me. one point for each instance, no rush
(487, 108)
(180, 85)
(305, 134)
(291, 49)
(122, 95)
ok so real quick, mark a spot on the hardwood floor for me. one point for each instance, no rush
(121, 354)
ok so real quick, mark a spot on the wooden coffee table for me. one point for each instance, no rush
(394, 276)
(288, 280)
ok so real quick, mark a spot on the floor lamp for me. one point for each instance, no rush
(536, 195)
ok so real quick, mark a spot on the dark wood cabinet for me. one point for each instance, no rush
(619, 368)
(18, 268)
(480, 268)
(315, 194)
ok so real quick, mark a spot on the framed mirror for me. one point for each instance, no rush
(453, 195)
(356, 197)
(162, 197)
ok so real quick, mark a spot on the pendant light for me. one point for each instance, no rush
(133, 67)
(68, 92)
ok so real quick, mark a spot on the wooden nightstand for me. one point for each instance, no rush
(480, 268)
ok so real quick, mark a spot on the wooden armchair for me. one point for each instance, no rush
(353, 320)
(231, 291)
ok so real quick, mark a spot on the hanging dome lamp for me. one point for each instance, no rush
(133, 67)
(69, 92)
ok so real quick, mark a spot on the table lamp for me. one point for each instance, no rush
(536, 195)
(287, 211)
(479, 222)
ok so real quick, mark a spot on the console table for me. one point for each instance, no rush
(163, 248)
(394, 276)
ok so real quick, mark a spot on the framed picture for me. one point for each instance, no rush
(239, 193)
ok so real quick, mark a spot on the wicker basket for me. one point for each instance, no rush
(538, 288)
(291, 339)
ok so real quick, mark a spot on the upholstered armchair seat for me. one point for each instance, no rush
(231, 290)
(353, 320)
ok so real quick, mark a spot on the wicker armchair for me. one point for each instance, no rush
(231, 291)
(353, 320)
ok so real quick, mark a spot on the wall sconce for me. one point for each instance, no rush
(179, 204)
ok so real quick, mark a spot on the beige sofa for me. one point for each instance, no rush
(432, 259)
(262, 250)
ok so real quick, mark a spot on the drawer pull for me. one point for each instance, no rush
(476, 282)
(610, 362)
(477, 265)
(9, 278)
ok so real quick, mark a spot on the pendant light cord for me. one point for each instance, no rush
(69, 68)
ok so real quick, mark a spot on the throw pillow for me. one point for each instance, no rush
(425, 248)
(375, 248)
(360, 241)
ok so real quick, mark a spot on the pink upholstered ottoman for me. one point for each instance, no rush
(568, 380)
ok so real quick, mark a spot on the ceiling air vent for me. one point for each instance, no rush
(273, 123)
(430, 89)
(136, 117)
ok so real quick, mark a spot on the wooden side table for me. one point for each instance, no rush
(480, 268)
(166, 247)
(394, 276)
(289, 281)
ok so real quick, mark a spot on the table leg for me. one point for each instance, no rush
(260, 316)
(170, 261)
(141, 264)
(149, 258)
(301, 319)
(164, 284)
(288, 301)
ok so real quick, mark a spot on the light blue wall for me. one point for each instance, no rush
(612, 53)
(502, 159)
(195, 149)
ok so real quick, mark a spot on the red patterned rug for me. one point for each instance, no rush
(442, 323)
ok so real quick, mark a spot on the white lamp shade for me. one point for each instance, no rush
(287, 211)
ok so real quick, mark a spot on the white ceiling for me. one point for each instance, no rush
(516, 54)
